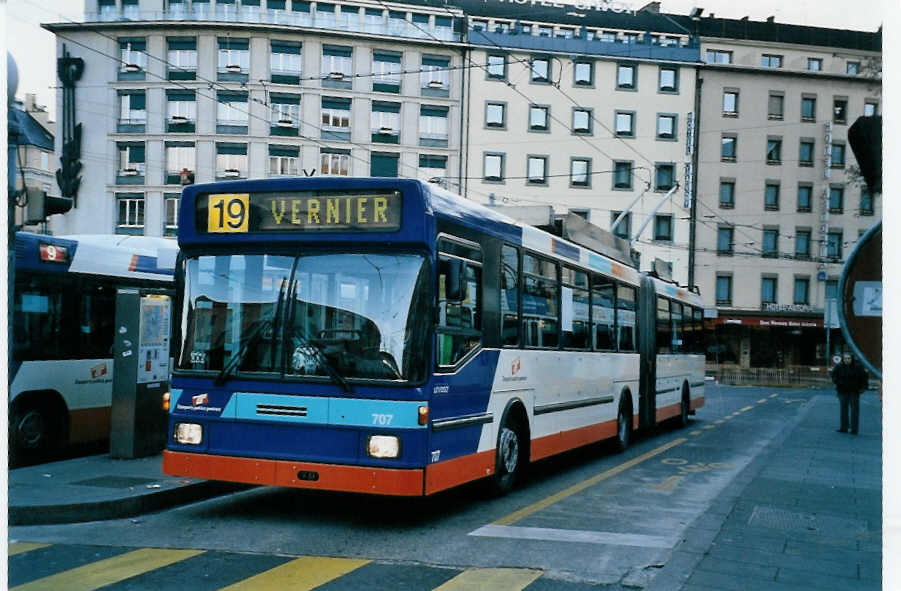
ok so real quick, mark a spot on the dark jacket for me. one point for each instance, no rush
(850, 378)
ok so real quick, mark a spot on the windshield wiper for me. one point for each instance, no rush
(256, 331)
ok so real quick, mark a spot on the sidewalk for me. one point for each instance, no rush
(806, 514)
(98, 487)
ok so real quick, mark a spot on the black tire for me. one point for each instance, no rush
(509, 456)
(32, 433)
(623, 426)
(686, 406)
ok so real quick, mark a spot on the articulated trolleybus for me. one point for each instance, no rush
(386, 336)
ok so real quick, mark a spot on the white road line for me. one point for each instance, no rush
(574, 535)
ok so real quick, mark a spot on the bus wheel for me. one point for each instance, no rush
(31, 432)
(683, 417)
(624, 426)
(509, 458)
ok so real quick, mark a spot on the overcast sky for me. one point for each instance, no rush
(34, 48)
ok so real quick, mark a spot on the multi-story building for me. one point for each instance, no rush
(194, 91)
(35, 158)
(780, 204)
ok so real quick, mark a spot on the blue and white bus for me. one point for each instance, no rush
(386, 336)
(61, 378)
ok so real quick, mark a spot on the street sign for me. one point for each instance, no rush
(836, 359)
(860, 299)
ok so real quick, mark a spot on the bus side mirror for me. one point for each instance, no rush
(455, 281)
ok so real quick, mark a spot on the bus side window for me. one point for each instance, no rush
(688, 330)
(602, 311)
(540, 302)
(510, 296)
(676, 324)
(700, 342)
(574, 311)
(98, 305)
(459, 329)
(625, 317)
(664, 328)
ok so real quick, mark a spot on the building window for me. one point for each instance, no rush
(802, 290)
(580, 172)
(727, 194)
(434, 80)
(768, 290)
(840, 110)
(132, 112)
(870, 108)
(384, 122)
(834, 244)
(663, 228)
(724, 289)
(666, 127)
(582, 121)
(814, 64)
(283, 160)
(808, 108)
(337, 67)
(852, 68)
(837, 159)
(285, 114)
(774, 151)
(433, 129)
(383, 164)
(805, 198)
(836, 199)
(234, 59)
(866, 202)
(497, 67)
(170, 223)
(730, 103)
(771, 197)
(664, 177)
(624, 229)
(433, 169)
(718, 56)
(625, 123)
(802, 244)
(131, 163)
(805, 154)
(373, 20)
(668, 80)
(622, 175)
(728, 148)
(231, 161)
(539, 118)
(334, 162)
(132, 59)
(285, 62)
(181, 163)
(626, 76)
(724, 242)
(776, 107)
(495, 115)
(630, 38)
(540, 69)
(181, 56)
(181, 111)
(335, 116)
(583, 73)
(231, 112)
(493, 167)
(131, 213)
(386, 72)
(770, 243)
(768, 60)
(536, 170)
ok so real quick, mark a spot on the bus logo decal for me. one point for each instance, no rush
(435, 455)
(200, 399)
(98, 371)
(515, 366)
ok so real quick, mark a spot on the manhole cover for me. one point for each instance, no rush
(781, 519)
(114, 481)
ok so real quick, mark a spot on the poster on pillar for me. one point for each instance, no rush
(153, 347)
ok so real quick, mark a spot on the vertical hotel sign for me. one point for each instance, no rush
(689, 150)
(824, 202)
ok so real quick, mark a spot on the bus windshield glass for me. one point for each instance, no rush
(357, 315)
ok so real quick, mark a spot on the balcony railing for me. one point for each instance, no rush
(351, 22)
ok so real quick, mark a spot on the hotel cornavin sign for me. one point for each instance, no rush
(597, 5)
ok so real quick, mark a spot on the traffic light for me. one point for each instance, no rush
(40, 205)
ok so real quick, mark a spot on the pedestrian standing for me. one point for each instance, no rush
(850, 379)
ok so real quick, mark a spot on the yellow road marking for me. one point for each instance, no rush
(20, 547)
(708, 427)
(306, 572)
(111, 570)
(729, 418)
(719, 422)
(500, 579)
(547, 502)
(694, 433)
(746, 409)
(668, 484)
(761, 401)
(774, 395)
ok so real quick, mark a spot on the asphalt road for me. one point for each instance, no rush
(591, 517)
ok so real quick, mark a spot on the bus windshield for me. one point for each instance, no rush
(357, 315)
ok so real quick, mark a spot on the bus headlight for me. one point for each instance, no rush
(188, 433)
(383, 446)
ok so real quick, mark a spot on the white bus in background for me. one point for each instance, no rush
(61, 376)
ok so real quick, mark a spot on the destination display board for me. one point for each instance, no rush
(299, 211)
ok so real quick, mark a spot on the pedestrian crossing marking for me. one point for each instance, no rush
(761, 401)
(746, 409)
(774, 395)
(708, 427)
(695, 433)
(111, 570)
(496, 579)
(21, 547)
(719, 422)
(302, 574)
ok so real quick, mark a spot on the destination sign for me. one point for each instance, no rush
(300, 211)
